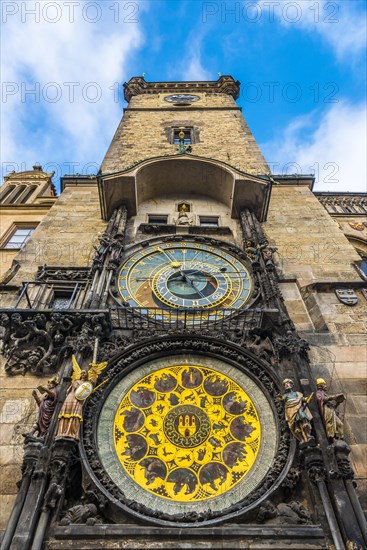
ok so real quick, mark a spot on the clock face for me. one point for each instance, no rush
(186, 433)
(181, 98)
(184, 275)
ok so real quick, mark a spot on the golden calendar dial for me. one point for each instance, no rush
(186, 434)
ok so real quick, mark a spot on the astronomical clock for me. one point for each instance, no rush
(183, 431)
(185, 275)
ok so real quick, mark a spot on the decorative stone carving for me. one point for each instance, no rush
(351, 203)
(254, 253)
(290, 344)
(297, 413)
(61, 458)
(267, 254)
(327, 406)
(46, 407)
(293, 513)
(184, 219)
(49, 273)
(28, 345)
(313, 463)
(342, 450)
(138, 85)
(34, 342)
(32, 450)
(79, 514)
(111, 243)
(291, 479)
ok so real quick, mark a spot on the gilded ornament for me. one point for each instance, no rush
(186, 433)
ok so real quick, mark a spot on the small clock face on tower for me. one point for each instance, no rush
(184, 275)
(181, 98)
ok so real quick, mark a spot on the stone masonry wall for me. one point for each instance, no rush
(10, 215)
(312, 248)
(222, 133)
(65, 236)
(17, 414)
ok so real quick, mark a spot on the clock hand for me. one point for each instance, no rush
(196, 255)
(169, 256)
(186, 278)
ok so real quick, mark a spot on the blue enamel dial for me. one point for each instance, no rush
(184, 275)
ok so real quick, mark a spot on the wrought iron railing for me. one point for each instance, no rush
(196, 319)
(41, 295)
(38, 296)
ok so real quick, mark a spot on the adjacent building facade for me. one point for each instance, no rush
(184, 357)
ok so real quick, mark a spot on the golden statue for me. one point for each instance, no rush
(297, 414)
(82, 385)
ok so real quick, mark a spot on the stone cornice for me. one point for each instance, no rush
(224, 85)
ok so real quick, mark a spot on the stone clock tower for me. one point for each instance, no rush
(186, 411)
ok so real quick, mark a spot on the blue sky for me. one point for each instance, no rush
(302, 66)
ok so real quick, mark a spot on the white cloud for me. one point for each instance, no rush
(192, 67)
(333, 146)
(195, 69)
(340, 24)
(83, 59)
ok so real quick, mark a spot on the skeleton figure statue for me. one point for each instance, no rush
(82, 385)
(327, 406)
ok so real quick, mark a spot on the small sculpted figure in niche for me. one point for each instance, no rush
(268, 257)
(46, 406)
(82, 385)
(101, 248)
(183, 217)
(327, 406)
(297, 413)
(253, 252)
(116, 248)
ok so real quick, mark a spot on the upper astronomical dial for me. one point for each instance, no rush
(184, 275)
(181, 98)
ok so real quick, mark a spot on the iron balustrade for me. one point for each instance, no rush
(181, 318)
(39, 295)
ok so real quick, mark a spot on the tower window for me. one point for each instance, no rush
(157, 219)
(19, 237)
(209, 221)
(187, 137)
